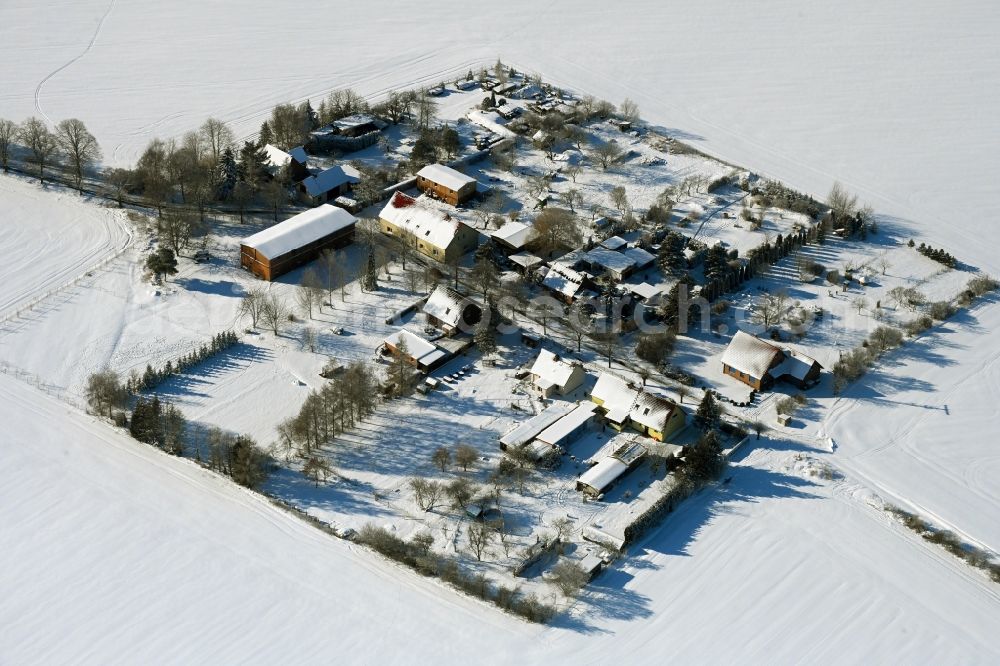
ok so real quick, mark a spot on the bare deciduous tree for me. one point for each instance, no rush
(569, 577)
(842, 202)
(252, 303)
(465, 456)
(426, 493)
(8, 134)
(606, 153)
(556, 229)
(215, 135)
(479, 536)
(629, 111)
(441, 458)
(770, 309)
(79, 145)
(273, 313)
(40, 142)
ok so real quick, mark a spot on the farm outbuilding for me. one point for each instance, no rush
(446, 183)
(296, 241)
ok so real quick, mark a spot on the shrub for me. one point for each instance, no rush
(918, 325)
(787, 406)
(884, 338)
(940, 310)
(833, 276)
(981, 284)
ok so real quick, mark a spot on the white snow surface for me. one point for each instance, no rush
(116, 552)
(113, 552)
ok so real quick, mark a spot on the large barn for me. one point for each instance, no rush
(296, 241)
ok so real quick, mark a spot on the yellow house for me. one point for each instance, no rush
(625, 405)
(432, 231)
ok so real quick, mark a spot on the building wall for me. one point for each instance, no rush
(446, 194)
(269, 268)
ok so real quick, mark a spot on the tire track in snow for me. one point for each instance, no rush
(90, 45)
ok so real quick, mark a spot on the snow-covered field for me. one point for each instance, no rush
(118, 550)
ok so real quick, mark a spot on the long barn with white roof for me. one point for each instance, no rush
(296, 241)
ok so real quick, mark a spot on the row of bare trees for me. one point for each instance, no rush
(69, 140)
(330, 411)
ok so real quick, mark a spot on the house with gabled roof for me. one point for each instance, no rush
(329, 183)
(276, 159)
(431, 230)
(623, 404)
(759, 363)
(451, 311)
(551, 374)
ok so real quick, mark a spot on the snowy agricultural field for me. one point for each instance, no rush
(112, 549)
(897, 101)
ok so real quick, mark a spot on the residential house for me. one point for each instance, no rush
(451, 311)
(625, 405)
(329, 184)
(433, 232)
(758, 363)
(276, 159)
(418, 352)
(513, 237)
(551, 374)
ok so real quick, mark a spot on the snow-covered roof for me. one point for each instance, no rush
(492, 121)
(514, 233)
(615, 394)
(446, 176)
(610, 260)
(795, 364)
(614, 243)
(651, 410)
(356, 120)
(563, 279)
(302, 229)
(416, 346)
(640, 257)
(525, 259)
(298, 154)
(331, 178)
(551, 369)
(528, 430)
(603, 474)
(644, 290)
(275, 157)
(749, 354)
(559, 430)
(447, 305)
(423, 220)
